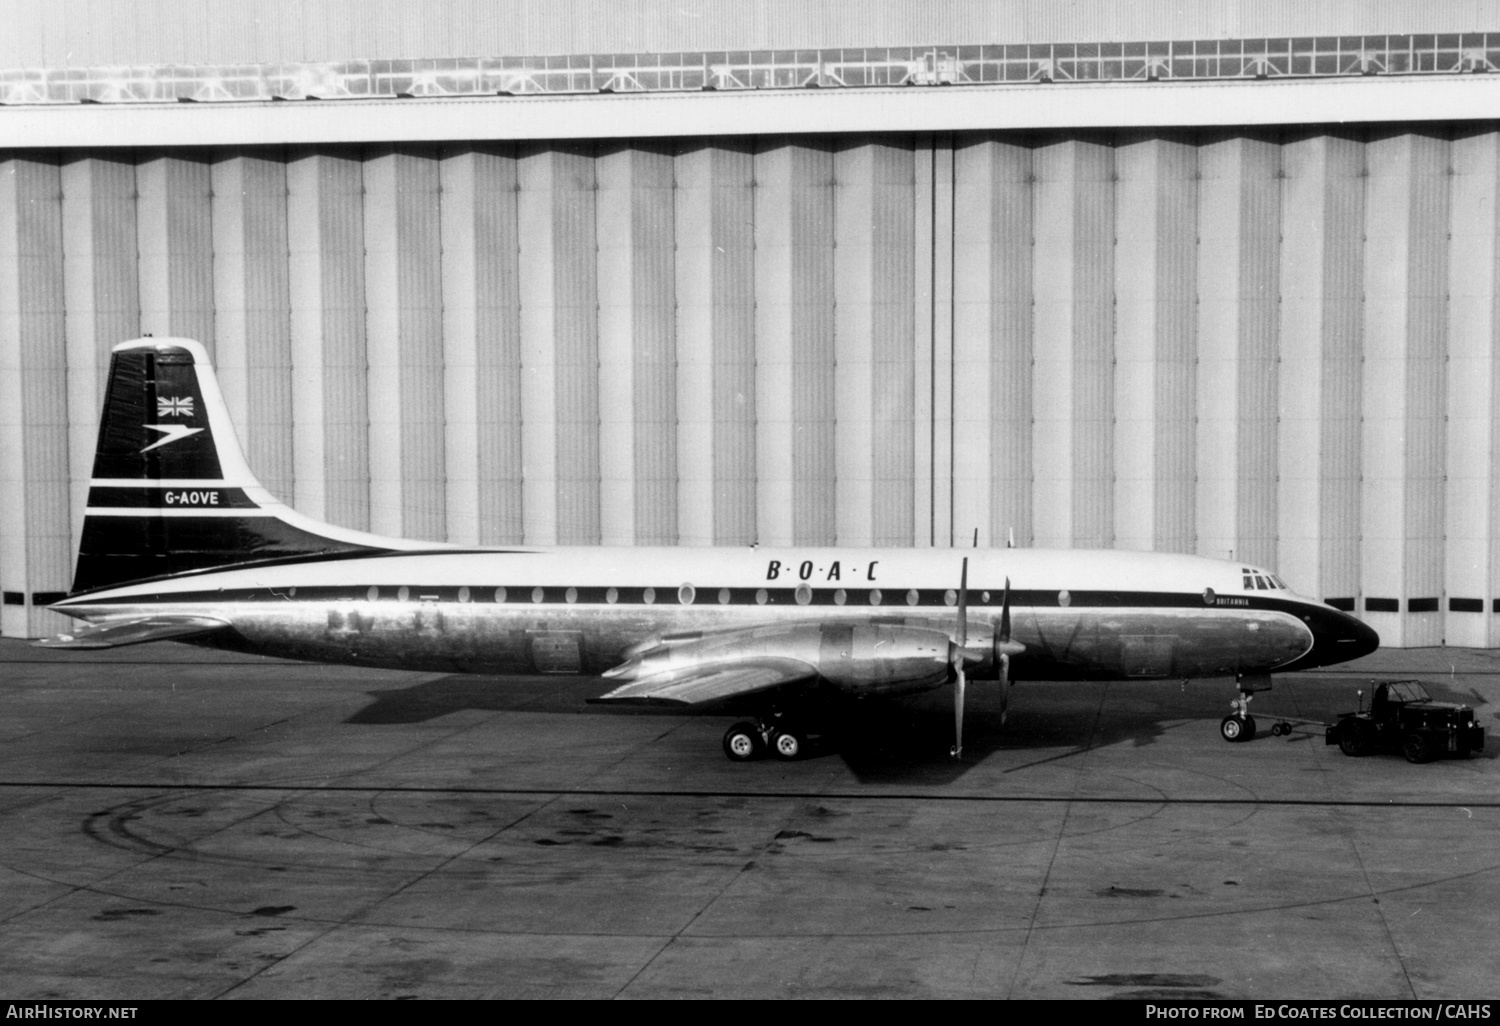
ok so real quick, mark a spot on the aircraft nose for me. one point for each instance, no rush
(1346, 638)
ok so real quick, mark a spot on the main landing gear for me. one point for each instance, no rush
(745, 741)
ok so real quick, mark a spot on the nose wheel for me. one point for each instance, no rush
(1237, 728)
(1239, 725)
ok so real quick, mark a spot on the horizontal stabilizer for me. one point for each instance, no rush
(695, 685)
(134, 632)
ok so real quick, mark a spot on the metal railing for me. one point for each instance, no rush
(1192, 60)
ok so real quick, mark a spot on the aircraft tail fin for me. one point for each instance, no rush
(171, 491)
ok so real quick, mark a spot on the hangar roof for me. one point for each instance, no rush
(91, 33)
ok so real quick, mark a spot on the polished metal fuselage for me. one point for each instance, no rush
(1077, 615)
(453, 636)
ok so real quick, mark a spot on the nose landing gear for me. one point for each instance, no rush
(1239, 725)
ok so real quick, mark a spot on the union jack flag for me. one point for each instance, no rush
(174, 407)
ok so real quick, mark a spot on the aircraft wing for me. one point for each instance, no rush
(134, 632)
(697, 683)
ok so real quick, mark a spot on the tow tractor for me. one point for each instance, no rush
(1402, 716)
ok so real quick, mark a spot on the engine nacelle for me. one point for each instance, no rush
(883, 659)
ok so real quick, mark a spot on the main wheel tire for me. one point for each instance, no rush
(742, 742)
(1352, 741)
(787, 745)
(1248, 732)
(1232, 729)
(1415, 747)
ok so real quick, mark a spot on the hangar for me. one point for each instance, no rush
(1220, 280)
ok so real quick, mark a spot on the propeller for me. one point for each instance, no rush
(1004, 649)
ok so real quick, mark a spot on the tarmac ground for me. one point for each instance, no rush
(181, 823)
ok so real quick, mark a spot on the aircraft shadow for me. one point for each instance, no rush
(906, 740)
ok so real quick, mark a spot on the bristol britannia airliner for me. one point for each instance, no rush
(180, 541)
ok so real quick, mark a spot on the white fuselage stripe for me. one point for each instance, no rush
(165, 482)
(185, 511)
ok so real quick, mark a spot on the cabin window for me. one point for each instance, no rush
(912, 598)
(686, 594)
(1208, 596)
(648, 596)
(762, 597)
(403, 593)
(537, 593)
(571, 595)
(373, 593)
(803, 594)
(840, 597)
(723, 596)
(1064, 598)
(874, 596)
(499, 594)
(950, 597)
(612, 595)
(463, 594)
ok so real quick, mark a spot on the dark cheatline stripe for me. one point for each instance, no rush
(152, 497)
(857, 600)
(1382, 605)
(1466, 605)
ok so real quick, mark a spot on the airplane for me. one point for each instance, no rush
(181, 542)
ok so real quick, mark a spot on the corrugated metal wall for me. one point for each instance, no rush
(1279, 346)
(92, 33)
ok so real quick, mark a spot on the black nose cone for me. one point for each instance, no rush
(1339, 637)
(1360, 637)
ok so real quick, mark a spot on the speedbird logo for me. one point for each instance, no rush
(170, 433)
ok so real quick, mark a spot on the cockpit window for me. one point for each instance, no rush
(1261, 580)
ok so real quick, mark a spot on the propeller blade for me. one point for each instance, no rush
(963, 604)
(960, 679)
(959, 684)
(1005, 613)
(1004, 686)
